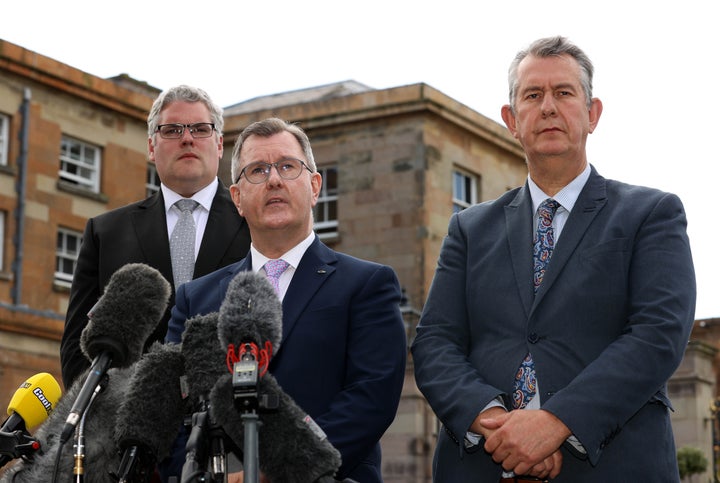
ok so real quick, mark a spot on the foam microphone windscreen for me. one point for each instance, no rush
(152, 411)
(251, 312)
(203, 354)
(291, 447)
(133, 303)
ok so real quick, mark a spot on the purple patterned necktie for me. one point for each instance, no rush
(543, 244)
(273, 269)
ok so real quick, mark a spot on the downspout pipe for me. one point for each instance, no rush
(20, 189)
(19, 239)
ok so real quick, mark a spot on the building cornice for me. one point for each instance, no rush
(51, 73)
(379, 103)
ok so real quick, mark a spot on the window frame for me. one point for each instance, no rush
(152, 180)
(91, 182)
(62, 253)
(327, 227)
(463, 200)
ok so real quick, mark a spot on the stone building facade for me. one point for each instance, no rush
(396, 163)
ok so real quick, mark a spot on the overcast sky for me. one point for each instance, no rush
(655, 68)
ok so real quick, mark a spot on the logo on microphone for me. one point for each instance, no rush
(38, 392)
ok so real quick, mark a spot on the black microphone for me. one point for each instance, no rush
(292, 447)
(204, 356)
(204, 364)
(129, 310)
(250, 327)
(152, 412)
(251, 313)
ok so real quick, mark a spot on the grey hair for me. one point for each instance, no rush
(184, 93)
(266, 128)
(548, 47)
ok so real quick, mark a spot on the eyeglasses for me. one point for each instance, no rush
(176, 131)
(259, 172)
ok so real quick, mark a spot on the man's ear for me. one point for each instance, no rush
(235, 195)
(596, 108)
(509, 117)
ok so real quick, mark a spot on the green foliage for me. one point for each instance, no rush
(691, 461)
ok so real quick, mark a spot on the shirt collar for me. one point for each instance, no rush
(204, 197)
(566, 196)
(292, 256)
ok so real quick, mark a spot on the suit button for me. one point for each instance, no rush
(533, 338)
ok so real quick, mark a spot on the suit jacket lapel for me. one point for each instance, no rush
(591, 200)
(518, 226)
(154, 243)
(315, 267)
(218, 233)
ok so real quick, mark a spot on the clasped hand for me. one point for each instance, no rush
(526, 441)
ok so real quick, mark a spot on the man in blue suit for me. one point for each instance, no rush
(548, 356)
(343, 351)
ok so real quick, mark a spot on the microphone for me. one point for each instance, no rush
(32, 402)
(292, 447)
(149, 418)
(56, 461)
(129, 310)
(203, 355)
(204, 364)
(250, 316)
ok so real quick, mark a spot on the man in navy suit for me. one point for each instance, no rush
(602, 323)
(343, 351)
(187, 166)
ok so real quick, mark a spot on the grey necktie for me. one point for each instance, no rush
(182, 242)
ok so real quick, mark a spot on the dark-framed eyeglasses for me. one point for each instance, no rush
(176, 131)
(259, 172)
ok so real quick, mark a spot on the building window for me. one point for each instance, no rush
(80, 164)
(68, 247)
(326, 212)
(465, 190)
(4, 139)
(152, 184)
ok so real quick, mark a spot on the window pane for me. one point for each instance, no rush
(80, 164)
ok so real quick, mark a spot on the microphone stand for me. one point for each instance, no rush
(195, 451)
(251, 460)
(197, 457)
(245, 393)
(218, 455)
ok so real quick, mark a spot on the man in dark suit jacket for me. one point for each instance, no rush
(343, 350)
(187, 166)
(605, 328)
